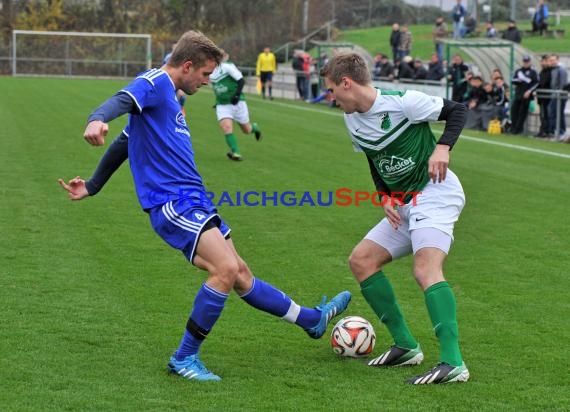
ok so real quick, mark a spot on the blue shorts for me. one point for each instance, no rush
(180, 223)
(265, 77)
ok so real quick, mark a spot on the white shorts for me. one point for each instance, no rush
(427, 224)
(238, 112)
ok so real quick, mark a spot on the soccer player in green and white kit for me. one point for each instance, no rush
(228, 83)
(391, 128)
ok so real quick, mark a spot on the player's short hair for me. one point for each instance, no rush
(350, 65)
(196, 47)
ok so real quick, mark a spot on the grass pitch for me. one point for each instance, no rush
(92, 302)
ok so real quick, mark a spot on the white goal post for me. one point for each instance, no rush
(71, 54)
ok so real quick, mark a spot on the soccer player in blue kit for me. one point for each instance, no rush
(171, 191)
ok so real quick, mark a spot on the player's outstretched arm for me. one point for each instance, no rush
(114, 157)
(76, 189)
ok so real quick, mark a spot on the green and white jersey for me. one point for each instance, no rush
(396, 135)
(224, 80)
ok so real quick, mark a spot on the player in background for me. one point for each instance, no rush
(180, 95)
(392, 129)
(172, 192)
(265, 69)
(228, 83)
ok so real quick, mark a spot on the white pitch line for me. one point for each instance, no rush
(463, 136)
(513, 146)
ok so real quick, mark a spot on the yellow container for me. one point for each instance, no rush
(494, 127)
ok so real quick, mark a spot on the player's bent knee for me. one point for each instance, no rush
(226, 272)
(361, 264)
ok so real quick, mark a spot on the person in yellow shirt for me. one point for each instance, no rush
(266, 66)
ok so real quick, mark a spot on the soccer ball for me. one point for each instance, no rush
(353, 336)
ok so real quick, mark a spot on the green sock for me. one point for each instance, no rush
(379, 294)
(254, 128)
(232, 143)
(440, 302)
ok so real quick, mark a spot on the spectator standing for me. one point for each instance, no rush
(307, 62)
(458, 16)
(544, 80)
(525, 82)
(439, 33)
(456, 76)
(558, 82)
(395, 40)
(265, 68)
(405, 45)
(435, 68)
(297, 66)
(475, 98)
(512, 33)
(539, 20)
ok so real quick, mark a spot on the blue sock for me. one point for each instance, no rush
(267, 298)
(208, 306)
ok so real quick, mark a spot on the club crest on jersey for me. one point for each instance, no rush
(180, 119)
(385, 122)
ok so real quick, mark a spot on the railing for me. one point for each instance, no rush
(561, 13)
(302, 43)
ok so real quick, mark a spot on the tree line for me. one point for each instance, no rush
(242, 27)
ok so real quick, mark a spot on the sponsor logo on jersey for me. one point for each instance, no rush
(396, 166)
(183, 131)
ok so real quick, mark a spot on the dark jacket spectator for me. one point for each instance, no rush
(395, 40)
(386, 68)
(543, 100)
(512, 33)
(456, 76)
(525, 81)
(435, 69)
(470, 26)
(405, 69)
(420, 72)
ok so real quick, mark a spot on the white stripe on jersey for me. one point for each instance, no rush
(178, 220)
(151, 75)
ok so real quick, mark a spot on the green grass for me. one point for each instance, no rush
(92, 302)
(376, 40)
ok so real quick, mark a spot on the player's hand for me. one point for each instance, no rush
(76, 189)
(438, 163)
(234, 100)
(392, 214)
(95, 132)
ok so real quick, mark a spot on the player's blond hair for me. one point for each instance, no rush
(196, 47)
(347, 64)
